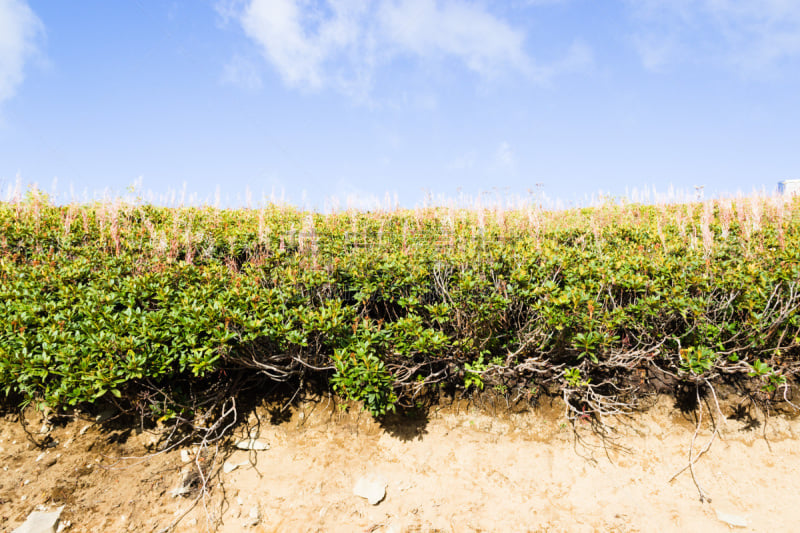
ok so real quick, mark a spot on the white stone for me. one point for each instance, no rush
(252, 444)
(373, 488)
(230, 467)
(180, 491)
(253, 517)
(732, 519)
(41, 522)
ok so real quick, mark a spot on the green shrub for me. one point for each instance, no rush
(116, 301)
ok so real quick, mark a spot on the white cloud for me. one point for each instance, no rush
(425, 28)
(20, 30)
(242, 72)
(229, 10)
(299, 38)
(342, 43)
(750, 35)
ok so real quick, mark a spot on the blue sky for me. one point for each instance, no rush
(316, 100)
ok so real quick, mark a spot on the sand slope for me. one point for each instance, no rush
(462, 469)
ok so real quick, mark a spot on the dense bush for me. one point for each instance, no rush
(123, 301)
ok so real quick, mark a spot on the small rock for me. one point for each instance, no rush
(186, 457)
(180, 491)
(183, 490)
(372, 488)
(253, 517)
(732, 519)
(252, 444)
(189, 480)
(84, 429)
(153, 439)
(230, 467)
(41, 522)
(105, 414)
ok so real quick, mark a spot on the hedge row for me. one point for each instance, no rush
(122, 301)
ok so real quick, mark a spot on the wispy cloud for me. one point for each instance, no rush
(427, 29)
(342, 44)
(241, 72)
(748, 35)
(20, 30)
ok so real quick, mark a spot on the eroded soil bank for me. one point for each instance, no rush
(459, 468)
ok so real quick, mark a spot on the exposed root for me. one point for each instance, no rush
(205, 465)
(694, 458)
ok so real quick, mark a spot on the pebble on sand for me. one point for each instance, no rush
(371, 487)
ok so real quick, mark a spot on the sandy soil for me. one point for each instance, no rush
(459, 469)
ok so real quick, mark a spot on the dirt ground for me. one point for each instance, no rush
(460, 468)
